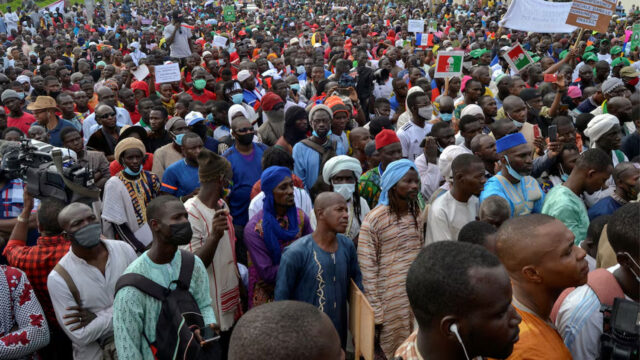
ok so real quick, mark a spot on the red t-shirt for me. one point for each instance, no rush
(135, 116)
(206, 96)
(23, 122)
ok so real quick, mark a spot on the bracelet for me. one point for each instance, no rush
(22, 220)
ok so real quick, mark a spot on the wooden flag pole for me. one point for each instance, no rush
(579, 37)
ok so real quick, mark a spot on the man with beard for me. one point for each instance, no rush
(489, 110)
(273, 126)
(162, 264)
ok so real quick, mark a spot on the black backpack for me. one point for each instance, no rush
(179, 315)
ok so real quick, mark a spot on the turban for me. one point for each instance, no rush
(471, 109)
(211, 165)
(271, 229)
(386, 137)
(446, 159)
(126, 144)
(392, 174)
(339, 163)
(598, 126)
(507, 142)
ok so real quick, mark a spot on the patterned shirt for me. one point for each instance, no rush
(386, 248)
(142, 190)
(369, 186)
(23, 328)
(12, 199)
(37, 262)
(409, 348)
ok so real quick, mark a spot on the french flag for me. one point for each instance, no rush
(424, 40)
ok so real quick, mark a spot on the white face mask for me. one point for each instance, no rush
(346, 190)
(426, 112)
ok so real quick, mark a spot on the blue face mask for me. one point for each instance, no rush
(446, 117)
(131, 172)
(295, 87)
(511, 171)
(178, 139)
(237, 98)
(440, 149)
(314, 133)
(564, 177)
(300, 69)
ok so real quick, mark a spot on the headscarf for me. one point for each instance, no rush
(292, 134)
(339, 163)
(271, 229)
(598, 126)
(392, 174)
(140, 85)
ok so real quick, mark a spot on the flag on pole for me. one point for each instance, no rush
(424, 40)
(518, 58)
(494, 61)
(449, 63)
(57, 6)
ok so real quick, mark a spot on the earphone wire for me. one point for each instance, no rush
(455, 331)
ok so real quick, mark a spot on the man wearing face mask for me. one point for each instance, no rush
(82, 285)
(513, 183)
(198, 91)
(250, 95)
(273, 127)
(579, 320)
(626, 176)
(515, 109)
(342, 173)
(168, 154)
(127, 194)
(180, 179)
(414, 131)
(162, 264)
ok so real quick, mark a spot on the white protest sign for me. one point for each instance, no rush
(167, 73)
(219, 41)
(141, 72)
(416, 26)
(538, 16)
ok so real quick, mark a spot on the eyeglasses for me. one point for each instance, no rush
(107, 115)
(244, 130)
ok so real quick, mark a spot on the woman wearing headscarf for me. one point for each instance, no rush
(126, 196)
(390, 239)
(342, 173)
(296, 127)
(277, 225)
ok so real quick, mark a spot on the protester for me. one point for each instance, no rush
(389, 149)
(323, 257)
(626, 176)
(180, 179)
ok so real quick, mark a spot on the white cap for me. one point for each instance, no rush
(193, 117)
(244, 75)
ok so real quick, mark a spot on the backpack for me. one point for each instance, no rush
(325, 154)
(602, 282)
(179, 315)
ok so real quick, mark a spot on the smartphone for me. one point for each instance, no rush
(553, 133)
(536, 131)
(208, 335)
(550, 78)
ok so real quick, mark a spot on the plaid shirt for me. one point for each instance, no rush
(12, 199)
(37, 262)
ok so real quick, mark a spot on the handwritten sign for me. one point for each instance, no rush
(591, 14)
(416, 26)
(219, 41)
(141, 72)
(167, 73)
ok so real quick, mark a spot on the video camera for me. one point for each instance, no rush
(49, 172)
(620, 339)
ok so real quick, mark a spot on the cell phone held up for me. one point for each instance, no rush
(553, 133)
(208, 335)
(550, 78)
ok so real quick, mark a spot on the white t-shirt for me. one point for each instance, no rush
(411, 135)
(448, 215)
(180, 46)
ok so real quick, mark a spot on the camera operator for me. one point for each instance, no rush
(39, 260)
(579, 319)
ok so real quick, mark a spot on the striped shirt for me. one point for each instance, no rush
(386, 248)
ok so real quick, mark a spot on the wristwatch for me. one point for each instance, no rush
(21, 219)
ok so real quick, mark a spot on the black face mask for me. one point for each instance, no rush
(180, 234)
(245, 139)
(624, 117)
(54, 94)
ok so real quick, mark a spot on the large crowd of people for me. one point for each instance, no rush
(488, 214)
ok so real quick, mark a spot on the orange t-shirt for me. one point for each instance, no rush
(538, 340)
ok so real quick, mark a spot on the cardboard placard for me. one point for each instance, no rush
(220, 41)
(416, 26)
(517, 57)
(591, 14)
(449, 63)
(141, 72)
(167, 73)
(362, 323)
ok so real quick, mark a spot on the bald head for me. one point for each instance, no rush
(446, 103)
(284, 330)
(618, 105)
(72, 212)
(359, 133)
(325, 200)
(512, 103)
(519, 240)
(624, 170)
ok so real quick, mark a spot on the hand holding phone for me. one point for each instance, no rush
(553, 133)
(550, 78)
(207, 335)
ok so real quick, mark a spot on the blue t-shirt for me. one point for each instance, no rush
(180, 179)
(246, 172)
(54, 134)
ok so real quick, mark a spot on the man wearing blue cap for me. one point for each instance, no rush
(513, 183)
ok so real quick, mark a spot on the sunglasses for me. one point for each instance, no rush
(107, 115)
(245, 130)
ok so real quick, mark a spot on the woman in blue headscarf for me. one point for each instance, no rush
(277, 225)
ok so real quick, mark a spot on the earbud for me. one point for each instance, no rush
(454, 329)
